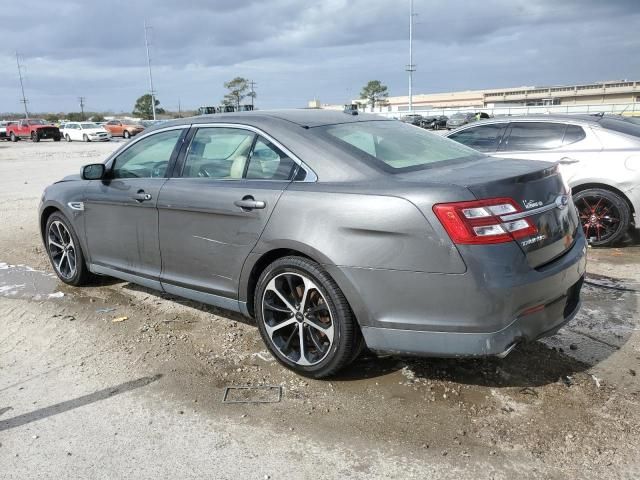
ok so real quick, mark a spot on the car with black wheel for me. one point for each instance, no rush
(334, 231)
(599, 157)
(434, 123)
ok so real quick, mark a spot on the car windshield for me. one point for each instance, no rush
(86, 126)
(621, 126)
(36, 122)
(395, 146)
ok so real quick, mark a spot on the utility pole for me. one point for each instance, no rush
(411, 67)
(153, 93)
(82, 99)
(252, 84)
(24, 100)
(179, 109)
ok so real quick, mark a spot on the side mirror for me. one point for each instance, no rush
(94, 171)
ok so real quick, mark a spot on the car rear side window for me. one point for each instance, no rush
(621, 126)
(268, 162)
(394, 146)
(149, 157)
(573, 134)
(218, 152)
(484, 138)
(527, 136)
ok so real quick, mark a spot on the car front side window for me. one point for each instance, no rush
(484, 138)
(148, 157)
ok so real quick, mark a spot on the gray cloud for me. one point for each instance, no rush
(297, 50)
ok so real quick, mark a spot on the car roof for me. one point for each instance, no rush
(306, 118)
(578, 118)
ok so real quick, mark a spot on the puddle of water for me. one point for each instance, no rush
(22, 281)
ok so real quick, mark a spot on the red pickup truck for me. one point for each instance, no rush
(36, 130)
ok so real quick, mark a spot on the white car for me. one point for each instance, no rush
(599, 157)
(85, 132)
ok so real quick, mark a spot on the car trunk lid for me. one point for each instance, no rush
(538, 190)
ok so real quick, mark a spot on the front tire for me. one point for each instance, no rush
(34, 137)
(304, 318)
(85, 138)
(67, 138)
(65, 253)
(126, 135)
(604, 215)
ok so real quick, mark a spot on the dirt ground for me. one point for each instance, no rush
(84, 396)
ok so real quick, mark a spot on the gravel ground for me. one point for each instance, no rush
(82, 396)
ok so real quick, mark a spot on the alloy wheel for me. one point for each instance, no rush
(62, 249)
(600, 217)
(297, 319)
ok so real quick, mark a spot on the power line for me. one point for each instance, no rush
(153, 93)
(411, 67)
(82, 99)
(24, 100)
(252, 84)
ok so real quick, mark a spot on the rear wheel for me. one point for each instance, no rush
(13, 137)
(65, 252)
(304, 318)
(604, 215)
(126, 134)
(56, 139)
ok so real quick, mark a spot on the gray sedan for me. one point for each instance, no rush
(334, 231)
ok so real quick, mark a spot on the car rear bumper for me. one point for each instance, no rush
(473, 314)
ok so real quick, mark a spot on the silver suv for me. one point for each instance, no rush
(599, 157)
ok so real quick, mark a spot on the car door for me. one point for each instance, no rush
(121, 218)
(214, 210)
(556, 142)
(75, 133)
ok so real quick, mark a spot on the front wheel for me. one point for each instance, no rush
(65, 252)
(35, 137)
(304, 318)
(604, 215)
(67, 138)
(126, 134)
(85, 138)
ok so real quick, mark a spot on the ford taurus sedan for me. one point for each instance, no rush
(332, 230)
(598, 156)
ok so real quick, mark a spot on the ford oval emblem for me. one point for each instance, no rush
(562, 201)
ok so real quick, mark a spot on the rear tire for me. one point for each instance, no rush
(605, 216)
(126, 134)
(317, 316)
(13, 137)
(56, 139)
(60, 238)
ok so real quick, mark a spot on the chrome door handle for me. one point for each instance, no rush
(248, 203)
(141, 196)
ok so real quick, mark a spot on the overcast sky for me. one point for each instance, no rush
(296, 50)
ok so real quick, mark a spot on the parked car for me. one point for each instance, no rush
(35, 130)
(434, 123)
(458, 119)
(372, 242)
(413, 119)
(3, 130)
(123, 128)
(598, 156)
(85, 131)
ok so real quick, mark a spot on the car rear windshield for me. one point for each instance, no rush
(395, 146)
(620, 126)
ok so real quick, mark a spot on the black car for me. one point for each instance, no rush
(435, 122)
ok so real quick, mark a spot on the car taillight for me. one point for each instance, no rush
(480, 222)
